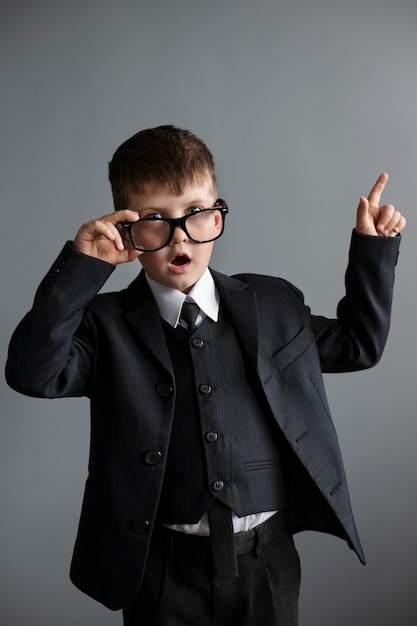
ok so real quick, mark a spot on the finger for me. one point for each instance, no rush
(100, 227)
(376, 191)
(401, 225)
(125, 215)
(121, 237)
(116, 236)
(393, 226)
(385, 215)
(111, 223)
(93, 231)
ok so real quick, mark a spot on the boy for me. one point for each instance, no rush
(211, 438)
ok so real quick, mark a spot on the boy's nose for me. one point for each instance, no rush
(178, 235)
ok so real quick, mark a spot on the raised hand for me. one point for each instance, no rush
(378, 219)
(102, 239)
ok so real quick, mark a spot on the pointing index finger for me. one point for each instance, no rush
(376, 191)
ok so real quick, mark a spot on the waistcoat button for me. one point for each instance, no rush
(164, 390)
(141, 526)
(205, 389)
(217, 485)
(197, 343)
(211, 436)
(152, 457)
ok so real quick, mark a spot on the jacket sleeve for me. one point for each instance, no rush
(356, 339)
(47, 356)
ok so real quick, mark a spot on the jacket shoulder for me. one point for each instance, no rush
(264, 283)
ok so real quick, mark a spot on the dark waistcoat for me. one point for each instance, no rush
(221, 445)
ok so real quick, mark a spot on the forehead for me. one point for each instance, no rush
(202, 193)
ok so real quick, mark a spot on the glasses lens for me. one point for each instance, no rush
(150, 234)
(205, 226)
(155, 233)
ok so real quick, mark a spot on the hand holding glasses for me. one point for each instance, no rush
(155, 232)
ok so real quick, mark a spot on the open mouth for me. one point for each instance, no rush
(180, 259)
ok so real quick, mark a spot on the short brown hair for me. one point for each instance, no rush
(165, 157)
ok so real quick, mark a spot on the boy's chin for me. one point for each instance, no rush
(184, 286)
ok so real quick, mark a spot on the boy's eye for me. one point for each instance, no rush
(194, 209)
(153, 216)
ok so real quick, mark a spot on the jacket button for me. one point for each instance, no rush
(197, 343)
(164, 390)
(141, 526)
(205, 389)
(58, 266)
(217, 485)
(211, 436)
(152, 457)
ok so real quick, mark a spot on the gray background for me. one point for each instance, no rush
(303, 104)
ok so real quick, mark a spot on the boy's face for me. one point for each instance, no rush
(182, 262)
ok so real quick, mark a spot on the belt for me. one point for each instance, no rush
(198, 547)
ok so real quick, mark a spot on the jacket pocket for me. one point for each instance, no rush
(295, 348)
(262, 464)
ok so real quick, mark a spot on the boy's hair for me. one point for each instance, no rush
(162, 158)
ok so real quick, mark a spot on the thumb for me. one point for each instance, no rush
(362, 216)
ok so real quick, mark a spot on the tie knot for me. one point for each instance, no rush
(189, 314)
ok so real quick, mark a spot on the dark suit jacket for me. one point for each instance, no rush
(111, 348)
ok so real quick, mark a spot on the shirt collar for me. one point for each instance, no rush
(169, 301)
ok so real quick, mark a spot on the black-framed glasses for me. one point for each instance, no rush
(155, 232)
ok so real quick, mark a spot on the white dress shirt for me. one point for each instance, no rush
(169, 301)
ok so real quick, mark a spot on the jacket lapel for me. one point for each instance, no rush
(142, 314)
(240, 300)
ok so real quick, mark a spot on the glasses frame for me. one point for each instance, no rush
(220, 205)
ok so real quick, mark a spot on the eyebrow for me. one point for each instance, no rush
(192, 203)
